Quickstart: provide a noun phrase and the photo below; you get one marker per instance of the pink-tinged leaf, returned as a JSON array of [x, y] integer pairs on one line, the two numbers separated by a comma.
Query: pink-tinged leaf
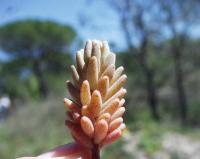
[[105, 116], [76, 117], [109, 71], [95, 104], [112, 136], [80, 61], [75, 76], [117, 74], [118, 113], [115, 124], [105, 50], [120, 94], [111, 107], [71, 106], [85, 94], [87, 126], [92, 72], [121, 103], [122, 127], [84, 110], [70, 116], [103, 86], [116, 86], [74, 92], [101, 129], [110, 59], [79, 135], [87, 50], [96, 52]]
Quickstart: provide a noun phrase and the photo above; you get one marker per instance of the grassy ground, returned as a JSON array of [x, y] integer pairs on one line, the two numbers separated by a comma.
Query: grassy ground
[[33, 128], [39, 126]]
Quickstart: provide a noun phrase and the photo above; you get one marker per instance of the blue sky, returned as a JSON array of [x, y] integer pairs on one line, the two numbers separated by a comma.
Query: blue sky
[[101, 21]]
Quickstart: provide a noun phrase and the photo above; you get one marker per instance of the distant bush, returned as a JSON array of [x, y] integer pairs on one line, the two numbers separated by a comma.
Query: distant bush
[[194, 113]]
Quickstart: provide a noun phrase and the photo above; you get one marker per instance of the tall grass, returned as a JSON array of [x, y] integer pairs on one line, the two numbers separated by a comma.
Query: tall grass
[[34, 128]]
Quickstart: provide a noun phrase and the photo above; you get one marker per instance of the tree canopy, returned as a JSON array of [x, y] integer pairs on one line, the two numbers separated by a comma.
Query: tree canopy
[[34, 37], [40, 45]]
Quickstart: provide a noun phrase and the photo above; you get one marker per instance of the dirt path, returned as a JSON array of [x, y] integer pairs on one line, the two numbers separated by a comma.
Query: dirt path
[[173, 146]]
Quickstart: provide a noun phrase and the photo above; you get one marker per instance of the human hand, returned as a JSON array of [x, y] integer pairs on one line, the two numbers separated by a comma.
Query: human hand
[[68, 151]]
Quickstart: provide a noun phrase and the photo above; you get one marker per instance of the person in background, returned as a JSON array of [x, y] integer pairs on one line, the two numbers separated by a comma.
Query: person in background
[[5, 104]]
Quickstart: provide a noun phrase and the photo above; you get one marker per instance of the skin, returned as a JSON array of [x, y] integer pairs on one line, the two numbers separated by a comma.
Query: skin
[[68, 151]]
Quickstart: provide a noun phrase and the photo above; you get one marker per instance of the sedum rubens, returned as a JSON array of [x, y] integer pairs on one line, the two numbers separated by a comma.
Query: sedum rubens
[[96, 108]]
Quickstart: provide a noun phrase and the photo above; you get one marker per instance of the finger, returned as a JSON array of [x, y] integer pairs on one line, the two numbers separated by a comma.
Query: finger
[[71, 151], [65, 157], [48, 157], [26, 158]]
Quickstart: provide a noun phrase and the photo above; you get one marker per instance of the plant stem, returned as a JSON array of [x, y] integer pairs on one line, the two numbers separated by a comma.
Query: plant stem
[[96, 152]]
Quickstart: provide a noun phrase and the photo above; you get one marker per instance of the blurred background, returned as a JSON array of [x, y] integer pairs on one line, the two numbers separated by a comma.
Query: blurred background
[[158, 43]]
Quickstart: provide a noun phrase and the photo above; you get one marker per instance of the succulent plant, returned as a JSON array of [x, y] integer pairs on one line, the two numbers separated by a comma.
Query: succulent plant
[[95, 109]]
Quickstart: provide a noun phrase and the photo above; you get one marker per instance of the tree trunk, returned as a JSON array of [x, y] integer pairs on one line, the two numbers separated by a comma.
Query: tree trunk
[[182, 100], [37, 68], [152, 100], [151, 94], [142, 55]]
